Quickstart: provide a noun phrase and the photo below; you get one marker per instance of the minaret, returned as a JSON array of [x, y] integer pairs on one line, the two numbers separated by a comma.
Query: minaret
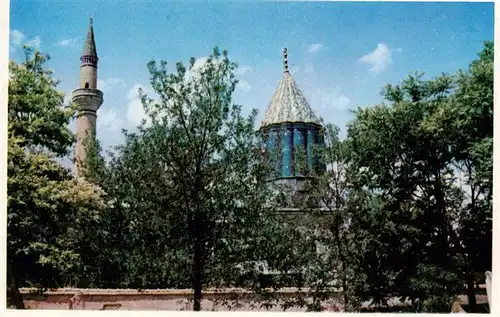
[[87, 97], [291, 131]]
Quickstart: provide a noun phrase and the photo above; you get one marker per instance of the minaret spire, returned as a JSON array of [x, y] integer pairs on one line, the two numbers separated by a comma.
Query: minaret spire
[[87, 97], [89, 54], [285, 59]]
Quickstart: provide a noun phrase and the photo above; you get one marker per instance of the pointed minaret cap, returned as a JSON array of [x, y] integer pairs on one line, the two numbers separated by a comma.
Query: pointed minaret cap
[[89, 48], [288, 104]]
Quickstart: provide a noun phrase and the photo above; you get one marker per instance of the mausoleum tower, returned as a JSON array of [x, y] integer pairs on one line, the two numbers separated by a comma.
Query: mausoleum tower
[[87, 97], [291, 133]]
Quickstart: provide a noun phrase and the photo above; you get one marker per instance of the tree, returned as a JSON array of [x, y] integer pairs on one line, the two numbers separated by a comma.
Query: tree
[[473, 152], [47, 211], [137, 247], [190, 181], [402, 156], [408, 228], [35, 107]]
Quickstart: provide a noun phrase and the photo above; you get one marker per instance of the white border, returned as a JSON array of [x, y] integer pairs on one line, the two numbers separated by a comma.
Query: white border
[[4, 56], [4, 63]]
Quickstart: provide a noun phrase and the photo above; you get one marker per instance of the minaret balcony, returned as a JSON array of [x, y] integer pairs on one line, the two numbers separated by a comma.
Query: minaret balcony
[[88, 60], [87, 98]]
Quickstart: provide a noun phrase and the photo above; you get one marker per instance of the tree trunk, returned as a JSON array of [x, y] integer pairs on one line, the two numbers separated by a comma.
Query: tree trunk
[[340, 254], [16, 296], [344, 290], [471, 294], [344, 278], [197, 277], [443, 223]]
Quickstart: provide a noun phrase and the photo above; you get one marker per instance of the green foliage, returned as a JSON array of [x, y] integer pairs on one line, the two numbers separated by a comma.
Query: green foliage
[[35, 107], [432, 284], [48, 213], [402, 155], [406, 201], [399, 223], [188, 186], [473, 150]]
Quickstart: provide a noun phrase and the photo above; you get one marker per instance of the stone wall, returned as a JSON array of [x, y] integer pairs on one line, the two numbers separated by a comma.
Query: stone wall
[[128, 299], [213, 300]]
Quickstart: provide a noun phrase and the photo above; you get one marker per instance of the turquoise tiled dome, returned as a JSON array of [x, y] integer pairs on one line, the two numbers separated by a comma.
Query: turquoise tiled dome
[[291, 129]]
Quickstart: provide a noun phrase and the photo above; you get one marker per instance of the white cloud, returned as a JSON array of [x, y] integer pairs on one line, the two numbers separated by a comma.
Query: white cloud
[[133, 93], [243, 85], [135, 110], [67, 99], [309, 68], [379, 59], [64, 42], [107, 84], [35, 43], [199, 63], [17, 37], [313, 48], [198, 66], [340, 101], [69, 42], [107, 118], [330, 99], [242, 70]]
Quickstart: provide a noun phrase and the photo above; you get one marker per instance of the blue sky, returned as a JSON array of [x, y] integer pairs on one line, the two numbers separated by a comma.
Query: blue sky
[[340, 54]]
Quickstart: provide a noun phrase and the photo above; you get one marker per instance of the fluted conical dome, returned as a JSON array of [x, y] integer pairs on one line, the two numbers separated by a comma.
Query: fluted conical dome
[[288, 104]]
